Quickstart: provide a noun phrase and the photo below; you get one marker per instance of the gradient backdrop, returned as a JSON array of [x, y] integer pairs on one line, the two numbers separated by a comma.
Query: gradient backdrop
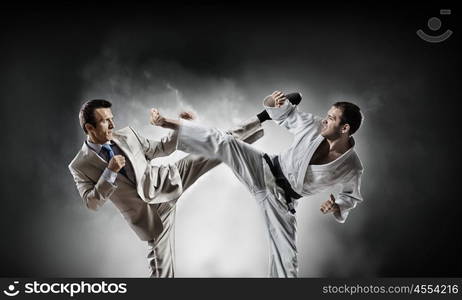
[[220, 62]]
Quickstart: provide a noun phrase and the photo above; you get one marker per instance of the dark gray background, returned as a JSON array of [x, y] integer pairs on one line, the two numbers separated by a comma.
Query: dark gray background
[[230, 57]]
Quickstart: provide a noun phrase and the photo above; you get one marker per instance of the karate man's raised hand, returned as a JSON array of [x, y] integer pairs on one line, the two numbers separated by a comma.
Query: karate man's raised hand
[[279, 98], [329, 205]]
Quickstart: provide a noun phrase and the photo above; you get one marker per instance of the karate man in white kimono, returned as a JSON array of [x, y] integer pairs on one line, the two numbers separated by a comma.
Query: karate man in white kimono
[[321, 156]]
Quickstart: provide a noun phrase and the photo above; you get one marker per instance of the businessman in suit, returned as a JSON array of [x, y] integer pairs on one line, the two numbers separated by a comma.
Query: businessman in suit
[[116, 165]]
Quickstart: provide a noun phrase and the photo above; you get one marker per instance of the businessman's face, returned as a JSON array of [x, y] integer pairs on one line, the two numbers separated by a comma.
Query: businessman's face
[[104, 126], [331, 124]]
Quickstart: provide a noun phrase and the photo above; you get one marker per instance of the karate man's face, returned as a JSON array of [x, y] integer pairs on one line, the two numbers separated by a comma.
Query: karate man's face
[[104, 126], [331, 124]]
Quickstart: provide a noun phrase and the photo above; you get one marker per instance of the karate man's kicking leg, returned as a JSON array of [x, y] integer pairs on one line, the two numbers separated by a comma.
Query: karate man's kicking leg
[[161, 251]]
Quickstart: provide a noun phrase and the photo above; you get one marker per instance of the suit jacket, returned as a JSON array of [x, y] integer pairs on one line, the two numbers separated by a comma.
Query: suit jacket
[[136, 201]]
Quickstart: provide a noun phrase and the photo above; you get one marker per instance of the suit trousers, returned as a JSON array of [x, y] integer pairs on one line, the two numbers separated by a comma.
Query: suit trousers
[[162, 250]]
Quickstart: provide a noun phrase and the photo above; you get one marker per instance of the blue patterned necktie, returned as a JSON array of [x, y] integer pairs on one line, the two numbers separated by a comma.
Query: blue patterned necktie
[[110, 154]]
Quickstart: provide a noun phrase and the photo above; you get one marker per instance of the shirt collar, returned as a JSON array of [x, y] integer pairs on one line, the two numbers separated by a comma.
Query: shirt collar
[[95, 147]]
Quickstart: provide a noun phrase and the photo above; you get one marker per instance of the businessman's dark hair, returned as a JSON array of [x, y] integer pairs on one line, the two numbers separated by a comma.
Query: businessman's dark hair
[[351, 115], [87, 111]]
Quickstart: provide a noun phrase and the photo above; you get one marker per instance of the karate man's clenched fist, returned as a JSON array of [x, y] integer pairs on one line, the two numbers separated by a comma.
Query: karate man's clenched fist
[[116, 163], [329, 206]]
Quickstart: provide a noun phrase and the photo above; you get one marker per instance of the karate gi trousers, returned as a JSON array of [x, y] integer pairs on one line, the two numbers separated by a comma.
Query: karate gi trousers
[[250, 168], [161, 251]]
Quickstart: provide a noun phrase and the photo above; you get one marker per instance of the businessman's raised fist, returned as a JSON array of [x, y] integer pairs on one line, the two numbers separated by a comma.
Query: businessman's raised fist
[[116, 163], [186, 115]]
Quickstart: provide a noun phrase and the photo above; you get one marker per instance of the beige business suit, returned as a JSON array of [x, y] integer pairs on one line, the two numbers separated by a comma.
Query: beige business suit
[[147, 201]]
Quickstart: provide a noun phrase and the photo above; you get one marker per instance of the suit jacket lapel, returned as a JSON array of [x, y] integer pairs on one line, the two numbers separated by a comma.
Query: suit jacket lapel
[[123, 145], [93, 158]]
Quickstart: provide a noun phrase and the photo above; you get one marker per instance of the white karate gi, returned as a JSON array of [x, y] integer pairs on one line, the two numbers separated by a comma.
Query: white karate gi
[[249, 166]]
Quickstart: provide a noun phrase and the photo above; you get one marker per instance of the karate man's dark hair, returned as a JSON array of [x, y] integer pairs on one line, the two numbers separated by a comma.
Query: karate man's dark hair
[[351, 115], [87, 111]]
